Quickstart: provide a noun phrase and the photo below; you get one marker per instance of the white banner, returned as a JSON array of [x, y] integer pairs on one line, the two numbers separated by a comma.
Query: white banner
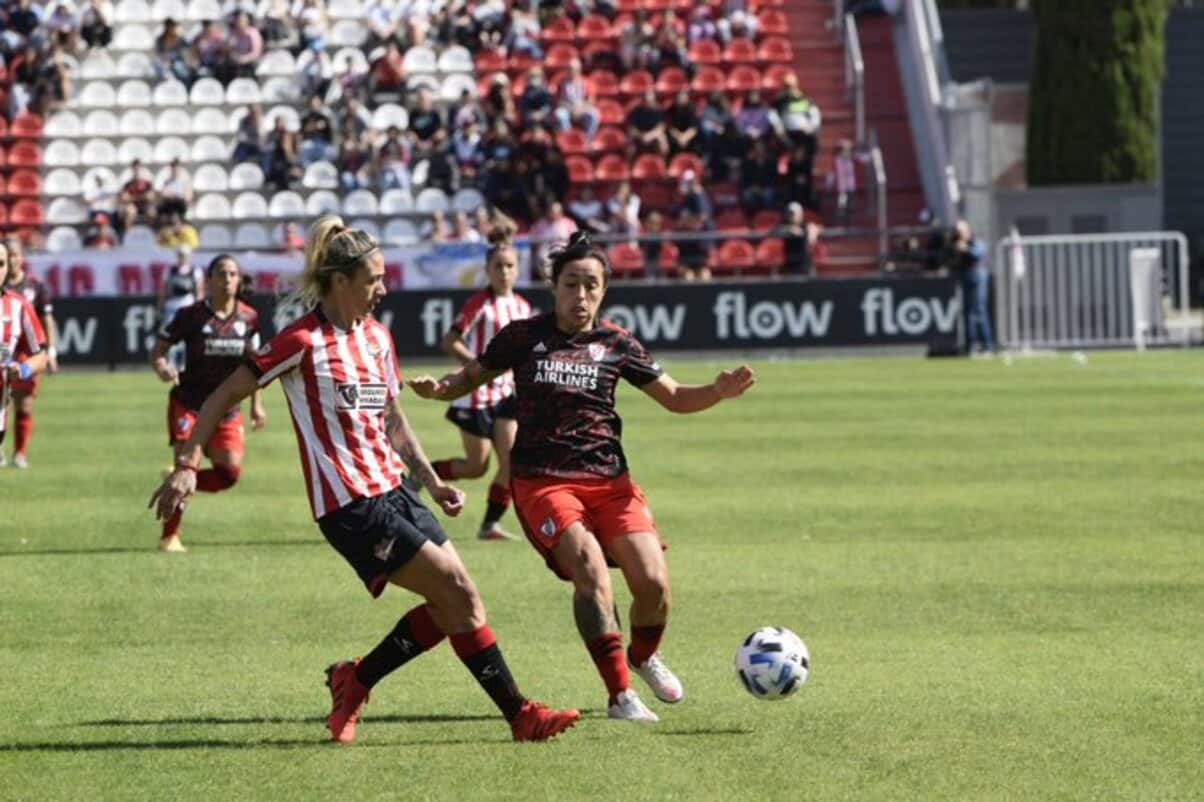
[[139, 272]]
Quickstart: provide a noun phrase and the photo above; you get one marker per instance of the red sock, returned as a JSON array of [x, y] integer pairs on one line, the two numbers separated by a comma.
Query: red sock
[[172, 525], [644, 641], [607, 651], [23, 429], [217, 478], [443, 469], [467, 644], [423, 627]]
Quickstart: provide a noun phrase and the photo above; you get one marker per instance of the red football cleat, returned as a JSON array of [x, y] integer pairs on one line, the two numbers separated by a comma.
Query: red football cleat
[[347, 698], [538, 722]]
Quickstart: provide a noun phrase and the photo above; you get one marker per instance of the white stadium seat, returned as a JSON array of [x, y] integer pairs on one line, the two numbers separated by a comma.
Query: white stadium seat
[[468, 200], [99, 151], [345, 9], [170, 148], [175, 122], [204, 9], [322, 202], [215, 237], [135, 148], [455, 85], [101, 122], [62, 124], [366, 226], [400, 232], [348, 33], [209, 149], [63, 238], [321, 175], [432, 200], [134, 93], [245, 176], [98, 65], [66, 211], [107, 177], [250, 205], [170, 93], [420, 59], [279, 90], [209, 120], [388, 114], [60, 153], [243, 92], [210, 178], [169, 9], [360, 202], [132, 37], [62, 181], [350, 59], [456, 59], [137, 122], [97, 94], [135, 65], [292, 120], [212, 207], [426, 81], [396, 201], [286, 204], [207, 92], [276, 62], [133, 11], [139, 238], [252, 235]]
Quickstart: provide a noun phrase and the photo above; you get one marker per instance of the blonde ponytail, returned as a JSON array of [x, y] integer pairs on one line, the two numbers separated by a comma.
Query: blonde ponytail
[[330, 248]]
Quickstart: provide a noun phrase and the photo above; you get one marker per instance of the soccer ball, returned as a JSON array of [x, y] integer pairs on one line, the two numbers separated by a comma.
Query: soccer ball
[[772, 663]]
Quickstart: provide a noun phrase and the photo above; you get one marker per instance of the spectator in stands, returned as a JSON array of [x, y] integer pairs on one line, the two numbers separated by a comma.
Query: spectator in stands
[[758, 178], [136, 201], [737, 23], [312, 21], [796, 241], [623, 210], [797, 178], [172, 55], [702, 23], [694, 253], [317, 133], [354, 117], [96, 23], [316, 71], [462, 230], [56, 75], [523, 36], [467, 149], [292, 241], [441, 168], [459, 27], [466, 108], [652, 243], [210, 51], [967, 262], [588, 212], [100, 235], [635, 41], [384, 24], [24, 22], [245, 46], [795, 119], [175, 191], [669, 48], [577, 102], [436, 230], [354, 163], [549, 232], [178, 234], [283, 160], [101, 195], [416, 15], [536, 103], [275, 23], [694, 199], [683, 123], [548, 171], [753, 119], [250, 143], [425, 119], [387, 74], [843, 180], [646, 126], [392, 161], [63, 27], [498, 103], [724, 153], [716, 115]]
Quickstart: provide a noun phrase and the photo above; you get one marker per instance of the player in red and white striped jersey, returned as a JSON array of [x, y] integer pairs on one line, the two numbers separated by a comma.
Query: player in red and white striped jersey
[[485, 417], [24, 392], [22, 342], [341, 379]]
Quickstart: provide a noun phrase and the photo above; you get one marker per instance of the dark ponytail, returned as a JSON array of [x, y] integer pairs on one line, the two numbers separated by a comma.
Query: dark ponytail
[[580, 246]]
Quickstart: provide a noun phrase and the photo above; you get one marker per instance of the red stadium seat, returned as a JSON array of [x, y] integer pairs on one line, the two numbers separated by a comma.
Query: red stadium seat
[[560, 56], [3, 123], [670, 256], [771, 253], [708, 80], [595, 27], [706, 51], [735, 255], [609, 139], [596, 55], [775, 51], [605, 83], [670, 18], [743, 78], [520, 63], [772, 22], [488, 61], [26, 126], [626, 259], [740, 51], [611, 168], [130, 280], [631, 5], [3, 215], [670, 80], [636, 83], [559, 29], [25, 183], [685, 161], [571, 141], [731, 220], [581, 170], [766, 220], [610, 112], [649, 166], [81, 280], [772, 81], [27, 213], [24, 154]]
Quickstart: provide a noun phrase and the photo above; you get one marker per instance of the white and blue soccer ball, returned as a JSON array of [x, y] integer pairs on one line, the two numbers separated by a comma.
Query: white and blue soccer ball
[[773, 663]]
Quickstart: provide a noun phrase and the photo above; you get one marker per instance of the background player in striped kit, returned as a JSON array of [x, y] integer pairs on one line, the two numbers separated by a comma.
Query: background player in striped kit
[[23, 393], [338, 368], [22, 341], [485, 417], [217, 333]]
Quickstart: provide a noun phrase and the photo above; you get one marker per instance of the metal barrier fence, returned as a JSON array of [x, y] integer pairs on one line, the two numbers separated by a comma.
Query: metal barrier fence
[[1092, 290]]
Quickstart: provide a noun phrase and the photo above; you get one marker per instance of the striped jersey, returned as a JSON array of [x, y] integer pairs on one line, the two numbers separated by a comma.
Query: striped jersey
[[479, 321], [338, 384], [21, 336]]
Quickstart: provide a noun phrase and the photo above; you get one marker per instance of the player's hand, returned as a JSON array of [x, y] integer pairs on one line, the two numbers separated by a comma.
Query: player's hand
[[425, 386], [259, 416], [449, 499], [52, 362], [175, 491], [168, 373], [734, 383]]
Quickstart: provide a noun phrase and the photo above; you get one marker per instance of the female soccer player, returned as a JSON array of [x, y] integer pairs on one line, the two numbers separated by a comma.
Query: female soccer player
[[485, 417], [182, 286], [218, 334], [24, 392], [22, 341], [339, 369], [572, 492]]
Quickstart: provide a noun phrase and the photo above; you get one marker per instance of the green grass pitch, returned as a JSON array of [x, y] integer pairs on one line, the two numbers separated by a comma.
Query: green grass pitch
[[999, 571]]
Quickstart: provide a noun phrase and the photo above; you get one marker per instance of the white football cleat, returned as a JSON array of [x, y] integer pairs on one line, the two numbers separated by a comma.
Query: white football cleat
[[663, 682], [629, 707], [172, 545], [19, 462]]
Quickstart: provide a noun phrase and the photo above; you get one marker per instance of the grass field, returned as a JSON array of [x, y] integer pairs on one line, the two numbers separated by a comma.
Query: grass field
[[999, 571]]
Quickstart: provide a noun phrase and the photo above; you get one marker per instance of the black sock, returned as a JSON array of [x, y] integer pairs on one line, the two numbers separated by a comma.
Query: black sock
[[491, 671], [398, 648], [493, 513]]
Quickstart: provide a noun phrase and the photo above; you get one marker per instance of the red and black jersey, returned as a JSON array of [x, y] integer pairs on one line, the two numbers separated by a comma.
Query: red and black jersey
[[215, 347], [34, 291], [567, 425]]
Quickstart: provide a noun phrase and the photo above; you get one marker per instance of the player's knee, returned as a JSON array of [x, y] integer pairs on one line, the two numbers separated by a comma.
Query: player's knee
[[590, 575], [475, 467], [229, 474], [652, 591], [458, 598]]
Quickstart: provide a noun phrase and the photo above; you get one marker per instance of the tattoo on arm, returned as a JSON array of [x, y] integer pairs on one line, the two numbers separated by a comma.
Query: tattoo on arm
[[593, 617], [405, 441]]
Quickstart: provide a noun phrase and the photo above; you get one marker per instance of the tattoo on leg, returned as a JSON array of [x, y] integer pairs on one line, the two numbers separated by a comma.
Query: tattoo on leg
[[593, 617]]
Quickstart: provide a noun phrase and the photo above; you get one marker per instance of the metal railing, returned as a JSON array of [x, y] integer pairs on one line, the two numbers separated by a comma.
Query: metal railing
[[878, 174], [854, 74]]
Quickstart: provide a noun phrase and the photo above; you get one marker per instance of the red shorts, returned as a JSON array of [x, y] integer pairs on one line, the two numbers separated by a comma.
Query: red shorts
[[28, 386], [181, 419], [609, 508]]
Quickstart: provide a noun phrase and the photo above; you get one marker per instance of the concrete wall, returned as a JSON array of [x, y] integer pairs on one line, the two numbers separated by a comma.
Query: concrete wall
[[1087, 209]]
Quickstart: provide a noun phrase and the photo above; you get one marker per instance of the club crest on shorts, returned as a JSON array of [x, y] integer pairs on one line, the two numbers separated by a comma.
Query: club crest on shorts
[[183, 424], [549, 528], [597, 351]]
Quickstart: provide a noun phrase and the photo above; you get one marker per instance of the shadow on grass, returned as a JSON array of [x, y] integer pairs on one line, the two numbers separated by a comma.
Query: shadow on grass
[[209, 743], [711, 731], [148, 549], [426, 718]]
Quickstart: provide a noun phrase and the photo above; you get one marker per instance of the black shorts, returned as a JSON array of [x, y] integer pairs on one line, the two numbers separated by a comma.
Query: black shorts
[[378, 535], [479, 422]]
